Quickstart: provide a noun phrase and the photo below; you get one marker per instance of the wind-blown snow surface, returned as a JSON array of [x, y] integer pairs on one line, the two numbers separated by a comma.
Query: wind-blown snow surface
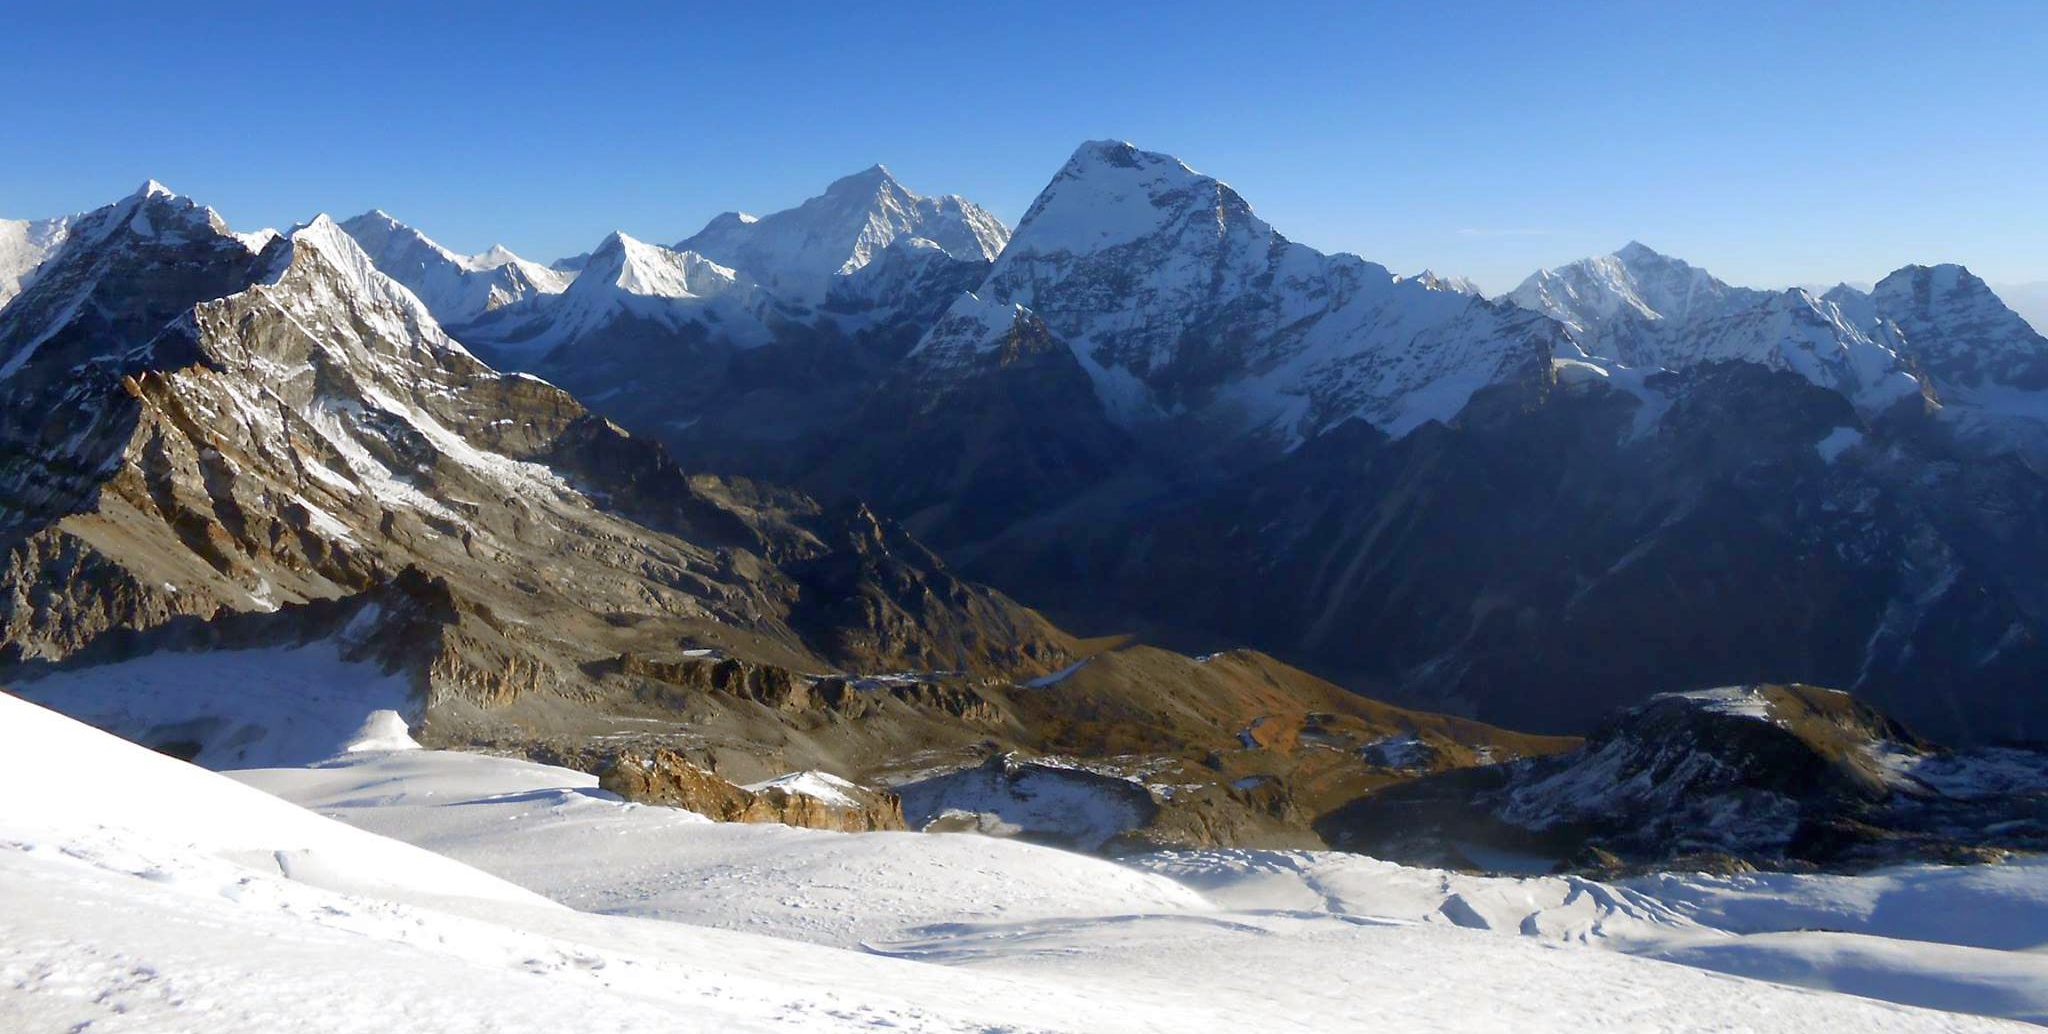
[[147, 894]]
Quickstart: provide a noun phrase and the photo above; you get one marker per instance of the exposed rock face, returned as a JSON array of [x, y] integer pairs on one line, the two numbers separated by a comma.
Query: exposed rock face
[[842, 695], [666, 778], [1762, 774]]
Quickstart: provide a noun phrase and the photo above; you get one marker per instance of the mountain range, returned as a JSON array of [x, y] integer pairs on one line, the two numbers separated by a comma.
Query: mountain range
[[1147, 410], [850, 486]]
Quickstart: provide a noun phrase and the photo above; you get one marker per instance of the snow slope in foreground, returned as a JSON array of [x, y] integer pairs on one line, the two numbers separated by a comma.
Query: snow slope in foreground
[[551, 830], [1146, 952], [146, 894]]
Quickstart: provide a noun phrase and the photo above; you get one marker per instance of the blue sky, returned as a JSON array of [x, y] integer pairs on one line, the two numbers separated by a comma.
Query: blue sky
[[1773, 143]]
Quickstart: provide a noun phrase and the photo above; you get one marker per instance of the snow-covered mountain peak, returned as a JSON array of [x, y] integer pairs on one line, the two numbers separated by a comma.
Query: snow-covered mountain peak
[[153, 211], [1177, 298], [797, 253], [378, 232], [497, 255], [1435, 281], [867, 182], [1638, 253], [1110, 194], [112, 279], [1943, 286], [1962, 332], [629, 286], [1607, 301], [1645, 309], [728, 222], [636, 267], [322, 269], [323, 236], [1120, 153], [457, 288]]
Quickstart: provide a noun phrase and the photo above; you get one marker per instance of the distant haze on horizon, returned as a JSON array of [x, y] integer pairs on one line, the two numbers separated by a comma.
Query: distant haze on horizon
[[1770, 146]]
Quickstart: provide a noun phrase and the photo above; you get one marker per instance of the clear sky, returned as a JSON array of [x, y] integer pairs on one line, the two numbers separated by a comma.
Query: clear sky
[[1774, 144]]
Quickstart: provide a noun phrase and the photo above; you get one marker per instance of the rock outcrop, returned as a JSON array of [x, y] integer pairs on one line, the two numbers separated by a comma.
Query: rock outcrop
[[848, 696], [666, 778]]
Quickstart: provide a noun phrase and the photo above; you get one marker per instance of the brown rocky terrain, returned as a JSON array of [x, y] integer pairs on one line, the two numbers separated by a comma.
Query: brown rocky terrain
[[1230, 749], [665, 778]]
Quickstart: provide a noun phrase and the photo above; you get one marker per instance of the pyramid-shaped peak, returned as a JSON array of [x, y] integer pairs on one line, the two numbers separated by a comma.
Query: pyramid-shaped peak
[[873, 178], [323, 236], [1111, 193], [375, 216], [1637, 251], [384, 235]]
